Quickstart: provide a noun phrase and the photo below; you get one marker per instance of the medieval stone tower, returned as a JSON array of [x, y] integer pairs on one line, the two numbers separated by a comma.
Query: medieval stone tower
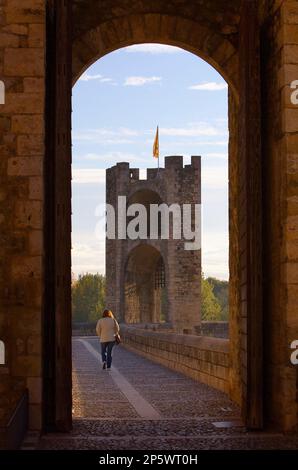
[[154, 280]]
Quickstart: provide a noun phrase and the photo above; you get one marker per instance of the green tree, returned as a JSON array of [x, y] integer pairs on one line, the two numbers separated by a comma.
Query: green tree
[[221, 292], [210, 307], [88, 297]]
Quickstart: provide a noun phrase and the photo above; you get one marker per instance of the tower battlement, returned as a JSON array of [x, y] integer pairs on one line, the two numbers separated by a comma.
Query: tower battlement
[[123, 171]]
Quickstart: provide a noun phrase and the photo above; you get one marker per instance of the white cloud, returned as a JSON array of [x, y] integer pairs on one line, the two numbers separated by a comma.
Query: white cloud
[[103, 135], [128, 132], [111, 158], [215, 253], [217, 155], [140, 81], [215, 177], [125, 135], [209, 86], [153, 49], [193, 130], [186, 143], [87, 78], [88, 253], [88, 176]]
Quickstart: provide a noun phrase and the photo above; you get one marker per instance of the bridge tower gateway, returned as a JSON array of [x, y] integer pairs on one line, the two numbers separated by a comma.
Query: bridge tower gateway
[[155, 280]]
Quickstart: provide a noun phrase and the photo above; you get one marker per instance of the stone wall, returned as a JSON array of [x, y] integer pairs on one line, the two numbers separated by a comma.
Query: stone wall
[[22, 69], [280, 144], [216, 329], [236, 324], [201, 358]]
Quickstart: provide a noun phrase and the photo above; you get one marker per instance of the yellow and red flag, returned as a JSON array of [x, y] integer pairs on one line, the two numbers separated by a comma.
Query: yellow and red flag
[[156, 145]]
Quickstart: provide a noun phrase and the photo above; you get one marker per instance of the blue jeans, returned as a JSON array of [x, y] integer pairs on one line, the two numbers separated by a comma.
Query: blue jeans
[[106, 352]]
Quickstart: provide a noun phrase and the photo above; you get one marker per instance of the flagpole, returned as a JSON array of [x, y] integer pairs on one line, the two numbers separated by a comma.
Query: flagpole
[[158, 149]]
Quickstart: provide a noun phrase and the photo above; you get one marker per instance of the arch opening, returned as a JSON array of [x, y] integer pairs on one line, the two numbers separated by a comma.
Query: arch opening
[[198, 42], [145, 295], [203, 41]]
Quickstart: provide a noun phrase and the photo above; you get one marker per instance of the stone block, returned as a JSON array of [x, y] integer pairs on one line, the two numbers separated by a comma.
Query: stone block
[[27, 124], [291, 54], [9, 40], [20, 346], [292, 250], [36, 35], [290, 120], [290, 11], [291, 271], [291, 142], [24, 62], [292, 296], [36, 242], [286, 97], [286, 74], [108, 33], [152, 24], [19, 29], [3, 195], [30, 145], [23, 103], [5, 124], [34, 386], [290, 34], [25, 166], [26, 321], [26, 366], [29, 11], [36, 188], [33, 84], [124, 29], [28, 214], [34, 345], [26, 266], [137, 26]]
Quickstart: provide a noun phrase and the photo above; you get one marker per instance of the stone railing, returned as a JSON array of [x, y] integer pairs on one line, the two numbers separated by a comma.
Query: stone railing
[[216, 329], [201, 358], [83, 329]]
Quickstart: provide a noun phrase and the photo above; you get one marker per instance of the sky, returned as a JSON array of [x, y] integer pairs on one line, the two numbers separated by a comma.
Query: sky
[[117, 104]]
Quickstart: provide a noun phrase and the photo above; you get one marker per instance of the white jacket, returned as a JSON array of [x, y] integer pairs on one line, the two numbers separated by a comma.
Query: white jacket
[[106, 329]]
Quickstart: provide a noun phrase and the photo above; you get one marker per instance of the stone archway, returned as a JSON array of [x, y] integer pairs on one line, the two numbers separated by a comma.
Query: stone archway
[[157, 28], [144, 285], [98, 36]]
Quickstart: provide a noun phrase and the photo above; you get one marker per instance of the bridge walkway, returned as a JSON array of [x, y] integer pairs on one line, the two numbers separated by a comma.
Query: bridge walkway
[[139, 404]]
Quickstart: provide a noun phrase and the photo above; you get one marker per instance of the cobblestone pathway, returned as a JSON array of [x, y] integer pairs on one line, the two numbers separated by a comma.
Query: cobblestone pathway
[[141, 405]]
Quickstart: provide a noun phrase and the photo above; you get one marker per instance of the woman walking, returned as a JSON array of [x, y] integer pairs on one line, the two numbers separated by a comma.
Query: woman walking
[[107, 328]]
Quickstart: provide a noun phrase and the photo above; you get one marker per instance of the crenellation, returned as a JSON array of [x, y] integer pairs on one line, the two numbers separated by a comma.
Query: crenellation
[[134, 174], [174, 162], [153, 173]]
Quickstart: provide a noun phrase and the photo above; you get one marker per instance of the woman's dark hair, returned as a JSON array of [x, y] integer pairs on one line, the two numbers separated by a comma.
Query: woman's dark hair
[[107, 313]]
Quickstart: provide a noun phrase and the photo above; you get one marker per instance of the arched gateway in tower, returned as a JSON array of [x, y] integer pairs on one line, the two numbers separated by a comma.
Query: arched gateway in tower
[[154, 280]]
